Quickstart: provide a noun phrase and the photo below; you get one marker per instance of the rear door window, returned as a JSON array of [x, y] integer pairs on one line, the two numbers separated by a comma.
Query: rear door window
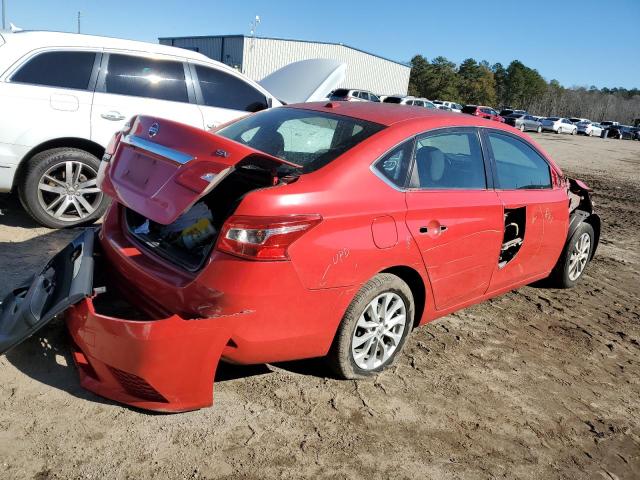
[[58, 69], [223, 90], [518, 165], [146, 77], [449, 160]]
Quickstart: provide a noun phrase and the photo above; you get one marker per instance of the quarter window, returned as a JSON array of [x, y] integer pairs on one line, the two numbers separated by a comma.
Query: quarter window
[[220, 89], [451, 160], [58, 69], [146, 77], [518, 165], [395, 164]]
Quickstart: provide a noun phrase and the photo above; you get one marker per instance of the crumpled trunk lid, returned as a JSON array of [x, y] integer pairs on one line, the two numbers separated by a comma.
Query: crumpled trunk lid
[[160, 168]]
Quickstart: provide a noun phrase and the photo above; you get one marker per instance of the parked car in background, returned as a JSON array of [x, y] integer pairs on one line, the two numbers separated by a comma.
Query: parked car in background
[[589, 128], [420, 102], [608, 123], [636, 133], [509, 111], [444, 108], [523, 122], [621, 132], [64, 95], [482, 111], [575, 120], [430, 214], [559, 125], [399, 99], [455, 107], [350, 95], [538, 119]]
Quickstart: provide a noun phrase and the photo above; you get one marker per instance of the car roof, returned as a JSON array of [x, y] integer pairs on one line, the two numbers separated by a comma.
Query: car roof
[[33, 39], [389, 114]]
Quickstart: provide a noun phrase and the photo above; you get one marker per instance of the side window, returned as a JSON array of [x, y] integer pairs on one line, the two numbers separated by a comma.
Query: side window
[[58, 69], [450, 160], [222, 90], [146, 77], [394, 166], [518, 165], [374, 98]]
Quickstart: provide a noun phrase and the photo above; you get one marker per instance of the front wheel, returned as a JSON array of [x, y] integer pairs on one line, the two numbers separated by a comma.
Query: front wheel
[[559, 130], [59, 188], [573, 132], [539, 129], [575, 257], [373, 329], [522, 127]]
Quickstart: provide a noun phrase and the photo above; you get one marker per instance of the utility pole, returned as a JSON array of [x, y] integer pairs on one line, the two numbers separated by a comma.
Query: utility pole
[[4, 24], [78, 21]]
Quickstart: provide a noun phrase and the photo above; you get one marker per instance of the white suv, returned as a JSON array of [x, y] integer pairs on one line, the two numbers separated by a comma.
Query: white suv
[[63, 96]]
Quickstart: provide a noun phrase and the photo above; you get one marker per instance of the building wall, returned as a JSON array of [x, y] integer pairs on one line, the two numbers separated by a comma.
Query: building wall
[[227, 50], [263, 56], [258, 57]]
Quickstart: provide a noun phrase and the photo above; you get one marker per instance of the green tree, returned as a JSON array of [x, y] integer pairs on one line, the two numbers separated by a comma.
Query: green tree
[[476, 82]]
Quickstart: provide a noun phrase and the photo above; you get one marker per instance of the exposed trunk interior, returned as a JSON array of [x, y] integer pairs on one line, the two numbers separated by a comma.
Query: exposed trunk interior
[[189, 239]]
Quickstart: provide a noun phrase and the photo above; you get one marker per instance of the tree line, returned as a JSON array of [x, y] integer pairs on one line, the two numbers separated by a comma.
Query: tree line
[[518, 86]]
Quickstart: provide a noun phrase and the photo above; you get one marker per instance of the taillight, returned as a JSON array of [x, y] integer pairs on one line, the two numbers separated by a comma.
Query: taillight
[[264, 238]]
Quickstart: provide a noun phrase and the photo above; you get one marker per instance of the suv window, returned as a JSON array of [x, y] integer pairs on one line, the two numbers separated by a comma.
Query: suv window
[[146, 77], [58, 69], [223, 90], [518, 165], [451, 160], [395, 164]]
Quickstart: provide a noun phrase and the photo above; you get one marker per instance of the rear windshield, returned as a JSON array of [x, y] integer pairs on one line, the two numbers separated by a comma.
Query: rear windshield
[[469, 109], [307, 138], [392, 100], [340, 92]]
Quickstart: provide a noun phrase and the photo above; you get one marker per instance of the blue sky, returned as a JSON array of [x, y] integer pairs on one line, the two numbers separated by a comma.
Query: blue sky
[[570, 40]]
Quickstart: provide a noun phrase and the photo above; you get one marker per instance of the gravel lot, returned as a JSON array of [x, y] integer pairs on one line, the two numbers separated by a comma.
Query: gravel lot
[[537, 383]]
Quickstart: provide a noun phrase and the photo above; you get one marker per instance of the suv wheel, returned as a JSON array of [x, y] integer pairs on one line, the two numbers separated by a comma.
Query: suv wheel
[[59, 188], [374, 328]]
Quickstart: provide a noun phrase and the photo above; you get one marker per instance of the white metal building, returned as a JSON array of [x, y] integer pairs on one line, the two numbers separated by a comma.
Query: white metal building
[[258, 57]]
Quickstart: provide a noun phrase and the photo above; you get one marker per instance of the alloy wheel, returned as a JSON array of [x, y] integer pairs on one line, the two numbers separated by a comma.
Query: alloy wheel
[[69, 192], [579, 256], [379, 331]]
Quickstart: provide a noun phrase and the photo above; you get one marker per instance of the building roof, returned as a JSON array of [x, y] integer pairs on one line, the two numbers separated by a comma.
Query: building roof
[[286, 40]]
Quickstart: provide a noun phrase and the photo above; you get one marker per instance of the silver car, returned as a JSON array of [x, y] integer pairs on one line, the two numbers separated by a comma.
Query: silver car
[[589, 128], [559, 125], [523, 122]]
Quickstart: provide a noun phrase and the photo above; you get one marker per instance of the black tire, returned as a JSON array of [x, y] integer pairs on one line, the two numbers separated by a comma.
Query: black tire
[[340, 357], [42, 162], [560, 277], [558, 131], [574, 131]]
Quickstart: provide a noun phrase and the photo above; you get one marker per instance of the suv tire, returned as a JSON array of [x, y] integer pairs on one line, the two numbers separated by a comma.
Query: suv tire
[[55, 201]]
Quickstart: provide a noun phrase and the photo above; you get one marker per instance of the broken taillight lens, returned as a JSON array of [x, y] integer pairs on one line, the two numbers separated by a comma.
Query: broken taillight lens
[[264, 238]]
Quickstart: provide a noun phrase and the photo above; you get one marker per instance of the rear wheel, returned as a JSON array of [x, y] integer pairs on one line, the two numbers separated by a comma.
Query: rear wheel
[[59, 188], [573, 132], [559, 130], [539, 129], [374, 328], [575, 257]]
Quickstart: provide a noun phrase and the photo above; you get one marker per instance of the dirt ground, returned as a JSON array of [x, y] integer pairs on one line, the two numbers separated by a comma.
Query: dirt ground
[[536, 384]]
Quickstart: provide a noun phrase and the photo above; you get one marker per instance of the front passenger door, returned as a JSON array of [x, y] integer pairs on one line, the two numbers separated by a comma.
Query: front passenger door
[[454, 215]]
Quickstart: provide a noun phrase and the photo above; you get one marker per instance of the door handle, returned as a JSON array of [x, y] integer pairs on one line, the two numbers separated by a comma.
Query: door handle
[[425, 229], [113, 116]]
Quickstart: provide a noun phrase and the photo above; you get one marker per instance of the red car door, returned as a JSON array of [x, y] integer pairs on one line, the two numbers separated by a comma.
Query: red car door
[[453, 215], [537, 204]]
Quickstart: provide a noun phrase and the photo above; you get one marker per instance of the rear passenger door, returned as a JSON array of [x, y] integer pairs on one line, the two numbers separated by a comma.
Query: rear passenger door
[[131, 84], [454, 215], [223, 96], [531, 194]]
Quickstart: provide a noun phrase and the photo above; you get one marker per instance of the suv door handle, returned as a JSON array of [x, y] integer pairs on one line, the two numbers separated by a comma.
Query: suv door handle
[[113, 116]]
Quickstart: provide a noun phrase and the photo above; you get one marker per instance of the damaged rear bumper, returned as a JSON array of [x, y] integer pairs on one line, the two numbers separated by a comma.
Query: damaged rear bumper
[[164, 364]]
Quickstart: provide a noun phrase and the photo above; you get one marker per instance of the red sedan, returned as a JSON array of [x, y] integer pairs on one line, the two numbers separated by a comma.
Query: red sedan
[[327, 229]]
